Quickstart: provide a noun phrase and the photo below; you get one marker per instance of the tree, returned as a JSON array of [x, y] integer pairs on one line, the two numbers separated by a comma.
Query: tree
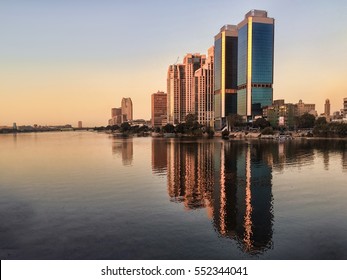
[[209, 131], [234, 120], [114, 127], [320, 121], [125, 126], [168, 128], [180, 128], [261, 123], [190, 119], [306, 121], [267, 131]]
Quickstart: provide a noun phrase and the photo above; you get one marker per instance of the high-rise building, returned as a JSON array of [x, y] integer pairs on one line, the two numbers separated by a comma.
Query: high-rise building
[[345, 107], [159, 109], [327, 108], [127, 109], [116, 116], [175, 93], [204, 91], [255, 63], [79, 124], [225, 74], [191, 62]]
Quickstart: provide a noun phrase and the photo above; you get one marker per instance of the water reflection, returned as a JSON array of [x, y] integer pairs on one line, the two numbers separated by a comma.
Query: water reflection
[[232, 181], [125, 149], [159, 156], [243, 203]]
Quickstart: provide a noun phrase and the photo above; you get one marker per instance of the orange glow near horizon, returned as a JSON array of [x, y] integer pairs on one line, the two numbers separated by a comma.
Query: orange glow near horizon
[[59, 67]]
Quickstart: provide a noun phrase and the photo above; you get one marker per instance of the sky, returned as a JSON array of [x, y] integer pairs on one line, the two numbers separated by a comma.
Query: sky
[[67, 61]]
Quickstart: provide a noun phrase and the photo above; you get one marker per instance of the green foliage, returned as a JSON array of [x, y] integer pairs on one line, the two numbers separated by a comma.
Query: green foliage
[[320, 121], [168, 128], [267, 131], [209, 131], [115, 127], [225, 134], [125, 127], [306, 121], [234, 120], [100, 128], [180, 128], [334, 129], [191, 123], [261, 123]]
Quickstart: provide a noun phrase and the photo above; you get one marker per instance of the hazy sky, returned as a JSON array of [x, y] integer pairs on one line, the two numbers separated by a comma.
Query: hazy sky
[[65, 61]]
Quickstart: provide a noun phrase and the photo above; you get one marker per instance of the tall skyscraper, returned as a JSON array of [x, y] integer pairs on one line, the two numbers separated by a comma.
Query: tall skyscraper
[[175, 90], [159, 109], [191, 62], [225, 74], [327, 108], [345, 107], [204, 91], [127, 109], [255, 63]]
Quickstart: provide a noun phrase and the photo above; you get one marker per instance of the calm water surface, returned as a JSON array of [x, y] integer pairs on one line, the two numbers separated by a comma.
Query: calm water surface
[[83, 195]]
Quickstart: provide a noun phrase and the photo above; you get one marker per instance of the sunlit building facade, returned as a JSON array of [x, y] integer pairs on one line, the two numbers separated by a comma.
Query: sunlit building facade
[[302, 108], [191, 62], [175, 93], [127, 109], [159, 109], [225, 74], [204, 91], [255, 63], [327, 108]]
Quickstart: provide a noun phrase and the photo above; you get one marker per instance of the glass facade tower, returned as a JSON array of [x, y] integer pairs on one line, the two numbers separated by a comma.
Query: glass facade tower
[[225, 74], [255, 63]]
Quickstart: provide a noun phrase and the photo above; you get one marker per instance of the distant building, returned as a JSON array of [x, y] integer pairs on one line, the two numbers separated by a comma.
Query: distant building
[[116, 116], [302, 108], [280, 113], [159, 109], [79, 125], [345, 107], [225, 74], [127, 110], [255, 63], [278, 102], [327, 108], [14, 126], [337, 115]]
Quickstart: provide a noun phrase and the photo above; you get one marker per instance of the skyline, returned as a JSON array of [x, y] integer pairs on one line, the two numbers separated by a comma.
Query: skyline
[[64, 62]]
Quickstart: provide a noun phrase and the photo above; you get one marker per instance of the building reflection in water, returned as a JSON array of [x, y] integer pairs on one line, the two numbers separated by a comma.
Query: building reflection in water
[[233, 181], [189, 174], [124, 148], [159, 156]]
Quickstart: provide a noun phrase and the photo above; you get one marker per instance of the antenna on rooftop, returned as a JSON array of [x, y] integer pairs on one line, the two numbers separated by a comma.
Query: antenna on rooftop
[[177, 60]]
